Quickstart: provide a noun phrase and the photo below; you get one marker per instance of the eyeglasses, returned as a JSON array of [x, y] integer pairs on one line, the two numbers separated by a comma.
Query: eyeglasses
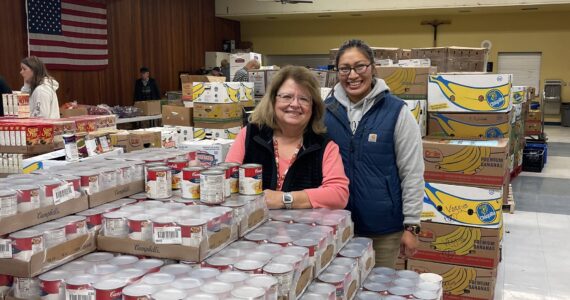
[[288, 98], [359, 69]]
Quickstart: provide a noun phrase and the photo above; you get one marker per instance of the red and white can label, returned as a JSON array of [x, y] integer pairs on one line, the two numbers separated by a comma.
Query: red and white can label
[[90, 183], [190, 184], [159, 183], [52, 289], [250, 179]]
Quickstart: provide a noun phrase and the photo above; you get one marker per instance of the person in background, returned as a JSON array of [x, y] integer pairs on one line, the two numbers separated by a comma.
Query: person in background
[[146, 87], [41, 87], [225, 68], [302, 167], [4, 89], [241, 74], [381, 149], [216, 72]]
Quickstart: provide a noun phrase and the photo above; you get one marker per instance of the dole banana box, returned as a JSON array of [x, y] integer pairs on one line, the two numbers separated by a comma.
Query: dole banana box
[[406, 82], [463, 205], [460, 283], [217, 112], [519, 94], [469, 125], [214, 133], [418, 109], [217, 92], [459, 245], [469, 93], [470, 162]]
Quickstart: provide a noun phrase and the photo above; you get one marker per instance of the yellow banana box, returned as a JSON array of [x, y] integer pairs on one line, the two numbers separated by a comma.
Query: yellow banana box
[[188, 81], [418, 109], [469, 162], [469, 125], [459, 282], [217, 112], [215, 133], [519, 94], [247, 91], [406, 82], [469, 93], [217, 92], [463, 205], [459, 245]]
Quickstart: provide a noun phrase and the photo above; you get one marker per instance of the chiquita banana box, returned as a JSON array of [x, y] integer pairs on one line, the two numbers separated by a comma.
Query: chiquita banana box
[[213, 133], [463, 205], [418, 109], [246, 91], [520, 94], [459, 282], [470, 162], [469, 93], [459, 245], [217, 92], [469, 125]]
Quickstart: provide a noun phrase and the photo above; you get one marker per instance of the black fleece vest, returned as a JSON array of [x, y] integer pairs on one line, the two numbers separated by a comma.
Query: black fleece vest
[[306, 171]]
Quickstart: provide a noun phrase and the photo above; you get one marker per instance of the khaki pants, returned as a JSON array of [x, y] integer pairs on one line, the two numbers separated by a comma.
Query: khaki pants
[[387, 248]]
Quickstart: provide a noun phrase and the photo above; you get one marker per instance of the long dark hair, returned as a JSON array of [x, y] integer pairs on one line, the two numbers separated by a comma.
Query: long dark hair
[[360, 46], [39, 70]]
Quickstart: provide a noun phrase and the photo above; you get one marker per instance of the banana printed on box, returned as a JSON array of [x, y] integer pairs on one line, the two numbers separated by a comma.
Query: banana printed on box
[[469, 93], [418, 109], [216, 92], [520, 94], [463, 205], [469, 125], [214, 133]]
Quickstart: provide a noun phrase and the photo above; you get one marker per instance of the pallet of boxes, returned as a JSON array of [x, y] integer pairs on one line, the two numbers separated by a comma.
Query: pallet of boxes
[[466, 156]]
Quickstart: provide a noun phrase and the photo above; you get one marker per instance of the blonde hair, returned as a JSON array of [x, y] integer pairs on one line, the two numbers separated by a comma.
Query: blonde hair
[[264, 113], [252, 64]]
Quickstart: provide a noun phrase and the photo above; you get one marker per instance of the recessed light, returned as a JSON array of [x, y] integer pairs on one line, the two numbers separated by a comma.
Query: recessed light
[[530, 8], [465, 11], [324, 16]]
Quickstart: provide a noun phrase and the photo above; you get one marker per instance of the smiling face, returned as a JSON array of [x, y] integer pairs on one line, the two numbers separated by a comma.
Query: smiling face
[[26, 73], [293, 105], [357, 86]]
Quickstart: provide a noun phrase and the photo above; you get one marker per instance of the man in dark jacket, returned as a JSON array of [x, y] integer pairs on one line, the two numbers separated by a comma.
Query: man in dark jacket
[[146, 87], [4, 89]]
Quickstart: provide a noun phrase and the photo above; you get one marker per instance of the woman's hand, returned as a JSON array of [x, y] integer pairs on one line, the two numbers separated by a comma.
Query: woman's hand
[[274, 199]]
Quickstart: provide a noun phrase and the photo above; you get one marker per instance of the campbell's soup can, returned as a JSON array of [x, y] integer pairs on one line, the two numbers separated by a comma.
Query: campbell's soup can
[[193, 231], [139, 292], [150, 265], [28, 197], [212, 185], [26, 288], [6, 282], [89, 181], [177, 165], [98, 257], [234, 176], [191, 182], [81, 287], [249, 266], [250, 179], [221, 263], [226, 170], [26, 243], [249, 292], [269, 283], [109, 289], [52, 286], [140, 227], [115, 224], [8, 203], [150, 165], [93, 218], [284, 274], [74, 226], [75, 181], [169, 294], [159, 183]]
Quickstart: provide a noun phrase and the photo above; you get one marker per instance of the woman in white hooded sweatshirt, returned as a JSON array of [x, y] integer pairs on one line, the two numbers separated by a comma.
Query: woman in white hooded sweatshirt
[[41, 87]]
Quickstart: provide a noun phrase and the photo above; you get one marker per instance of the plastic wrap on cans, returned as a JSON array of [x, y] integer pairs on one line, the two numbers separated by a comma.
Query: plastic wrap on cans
[[220, 289], [130, 275], [158, 279], [26, 243], [115, 224], [124, 261], [193, 231], [81, 287], [191, 182], [149, 265], [108, 178], [233, 169], [8, 203], [90, 181], [26, 288], [166, 231], [98, 257], [284, 274], [321, 288], [205, 273], [189, 284], [52, 285], [74, 226], [178, 270], [227, 176], [102, 270], [140, 227], [220, 263], [366, 295], [249, 266], [177, 165], [109, 289], [236, 278], [169, 294], [28, 197], [54, 233], [138, 292], [248, 292], [250, 179], [159, 183], [212, 185], [269, 283], [93, 218]]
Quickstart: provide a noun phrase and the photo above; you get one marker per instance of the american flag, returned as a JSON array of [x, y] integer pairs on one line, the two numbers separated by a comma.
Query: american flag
[[68, 34]]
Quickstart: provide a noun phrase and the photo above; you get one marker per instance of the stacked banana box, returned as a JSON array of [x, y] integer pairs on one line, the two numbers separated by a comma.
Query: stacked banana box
[[467, 154]]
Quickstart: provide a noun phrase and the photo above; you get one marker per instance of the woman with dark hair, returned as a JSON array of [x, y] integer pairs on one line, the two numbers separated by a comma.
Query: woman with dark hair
[[381, 149], [41, 87], [302, 167]]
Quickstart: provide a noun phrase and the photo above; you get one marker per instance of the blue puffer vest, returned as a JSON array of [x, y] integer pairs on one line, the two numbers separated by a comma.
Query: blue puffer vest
[[370, 163]]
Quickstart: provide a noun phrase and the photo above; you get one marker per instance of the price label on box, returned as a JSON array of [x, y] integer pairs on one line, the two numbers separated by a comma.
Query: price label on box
[[63, 193], [5, 248]]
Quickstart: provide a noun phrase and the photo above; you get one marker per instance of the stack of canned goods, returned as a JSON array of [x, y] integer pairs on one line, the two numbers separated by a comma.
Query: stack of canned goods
[[21, 193], [404, 284]]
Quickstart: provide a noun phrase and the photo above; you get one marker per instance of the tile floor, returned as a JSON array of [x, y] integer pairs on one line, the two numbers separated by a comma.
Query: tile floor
[[536, 258]]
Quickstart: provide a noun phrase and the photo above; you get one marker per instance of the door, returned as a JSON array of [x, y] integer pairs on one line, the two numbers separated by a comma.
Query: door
[[525, 67]]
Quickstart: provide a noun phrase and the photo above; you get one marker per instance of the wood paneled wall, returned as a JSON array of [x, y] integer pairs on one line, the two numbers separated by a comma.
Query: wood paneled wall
[[167, 36]]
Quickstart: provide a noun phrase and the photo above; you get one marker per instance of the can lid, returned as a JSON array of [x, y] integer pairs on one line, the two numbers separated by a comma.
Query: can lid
[[129, 273], [262, 256], [314, 296], [116, 215], [276, 268], [243, 245], [76, 266], [219, 261], [248, 264], [192, 222], [262, 281], [202, 296], [192, 169], [164, 219], [296, 250], [216, 287], [72, 219], [344, 261], [405, 282], [380, 278], [98, 257], [169, 294], [210, 172], [7, 192], [248, 292], [109, 284], [103, 269], [187, 283], [270, 248], [26, 233], [250, 166], [139, 290], [321, 287], [407, 274], [400, 291], [431, 277], [82, 279], [23, 187], [158, 278], [339, 269], [232, 276], [205, 273], [375, 286], [132, 209], [149, 263], [122, 260], [384, 271], [176, 269], [159, 169], [366, 295], [54, 276], [287, 259], [331, 278]]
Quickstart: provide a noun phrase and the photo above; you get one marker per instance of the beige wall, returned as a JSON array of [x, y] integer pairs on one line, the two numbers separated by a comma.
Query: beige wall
[[547, 32]]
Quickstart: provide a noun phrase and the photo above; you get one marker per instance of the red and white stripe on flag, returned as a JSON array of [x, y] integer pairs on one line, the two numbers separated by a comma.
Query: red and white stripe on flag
[[68, 34]]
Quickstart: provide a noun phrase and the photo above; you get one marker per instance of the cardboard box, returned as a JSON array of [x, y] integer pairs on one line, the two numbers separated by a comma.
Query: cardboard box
[[239, 60], [381, 53], [80, 111], [302, 283], [209, 152], [534, 115], [463, 205], [50, 258], [30, 150], [214, 59], [116, 193], [480, 163], [406, 82], [533, 128], [42, 215], [259, 79], [520, 94], [469, 93], [400, 263], [214, 133], [460, 283], [216, 92], [188, 80], [326, 79], [213, 244], [136, 140], [177, 115], [247, 92], [469, 125], [418, 109], [459, 245], [149, 108], [217, 112], [185, 134]]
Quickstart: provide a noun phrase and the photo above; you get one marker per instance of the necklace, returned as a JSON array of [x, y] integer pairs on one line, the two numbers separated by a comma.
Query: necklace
[[281, 178]]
